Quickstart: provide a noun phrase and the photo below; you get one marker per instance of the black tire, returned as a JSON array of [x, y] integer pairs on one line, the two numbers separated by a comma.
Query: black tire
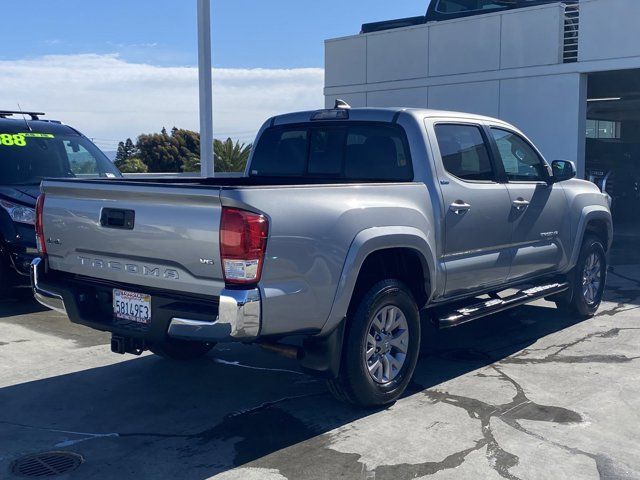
[[180, 350], [355, 384], [575, 301]]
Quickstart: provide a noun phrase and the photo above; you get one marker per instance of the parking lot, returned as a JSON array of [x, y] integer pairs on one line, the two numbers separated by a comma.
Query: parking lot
[[529, 394]]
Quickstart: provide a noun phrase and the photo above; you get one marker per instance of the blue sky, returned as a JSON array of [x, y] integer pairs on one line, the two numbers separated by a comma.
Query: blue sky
[[247, 33], [118, 68]]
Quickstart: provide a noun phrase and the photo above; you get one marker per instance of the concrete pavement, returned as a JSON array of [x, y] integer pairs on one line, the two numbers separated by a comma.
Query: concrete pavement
[[529, 394]]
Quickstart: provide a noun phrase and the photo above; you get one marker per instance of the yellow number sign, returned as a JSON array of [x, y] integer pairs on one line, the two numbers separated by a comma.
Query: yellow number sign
[[20, 139]]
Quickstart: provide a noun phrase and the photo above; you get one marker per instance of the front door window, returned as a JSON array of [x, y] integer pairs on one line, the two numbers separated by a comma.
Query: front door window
[[521, 162]]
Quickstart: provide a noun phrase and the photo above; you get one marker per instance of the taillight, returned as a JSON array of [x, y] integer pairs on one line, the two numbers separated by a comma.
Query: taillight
[[40, 241], [243, 241]]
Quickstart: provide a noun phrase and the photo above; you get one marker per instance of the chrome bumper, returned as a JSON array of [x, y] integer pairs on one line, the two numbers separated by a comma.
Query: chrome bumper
[[239, 317], [44, 297]]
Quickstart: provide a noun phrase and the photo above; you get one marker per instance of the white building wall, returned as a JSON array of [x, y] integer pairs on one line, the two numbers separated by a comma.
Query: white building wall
[[507, 65], [346, 61], [532, 37], [482, 98], [399, 97], [547, 108], [609, 29], [464, 45], [387, 54]]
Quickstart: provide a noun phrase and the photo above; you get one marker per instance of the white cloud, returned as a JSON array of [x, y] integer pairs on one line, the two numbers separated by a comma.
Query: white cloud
[[110, 99]]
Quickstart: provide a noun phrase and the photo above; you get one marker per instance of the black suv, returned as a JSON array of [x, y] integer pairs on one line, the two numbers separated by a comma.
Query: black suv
[[448, 9], [32, 149]]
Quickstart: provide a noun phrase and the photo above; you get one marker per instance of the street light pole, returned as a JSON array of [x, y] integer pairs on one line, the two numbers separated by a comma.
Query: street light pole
[[206, 89]]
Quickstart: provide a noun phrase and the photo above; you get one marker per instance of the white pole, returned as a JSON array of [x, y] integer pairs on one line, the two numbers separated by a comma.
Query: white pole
[[206, 89]]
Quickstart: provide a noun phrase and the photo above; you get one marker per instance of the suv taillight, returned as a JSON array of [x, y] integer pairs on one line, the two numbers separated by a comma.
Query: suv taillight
[[243, 241], [40, 241]]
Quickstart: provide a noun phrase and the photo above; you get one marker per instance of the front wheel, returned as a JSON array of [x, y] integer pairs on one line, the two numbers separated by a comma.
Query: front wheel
[[181, 350], [587, 280], [381, 347]]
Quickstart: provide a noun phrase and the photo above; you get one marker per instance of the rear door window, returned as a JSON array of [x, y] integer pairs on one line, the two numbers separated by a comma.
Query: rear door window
[[464, 152], [357, 151]]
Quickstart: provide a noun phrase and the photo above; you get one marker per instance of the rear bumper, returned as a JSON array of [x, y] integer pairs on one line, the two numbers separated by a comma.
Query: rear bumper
[[46, 298], [239, 314], [234, 316]]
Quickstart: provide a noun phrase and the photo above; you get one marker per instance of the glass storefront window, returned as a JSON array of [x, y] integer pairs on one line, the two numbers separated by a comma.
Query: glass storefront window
[[603, 129]]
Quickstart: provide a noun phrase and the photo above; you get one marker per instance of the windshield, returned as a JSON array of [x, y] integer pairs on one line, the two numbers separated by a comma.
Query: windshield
[[27, 158]]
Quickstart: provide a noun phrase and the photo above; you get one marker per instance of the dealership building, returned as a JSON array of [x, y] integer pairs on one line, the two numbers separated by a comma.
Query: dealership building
[[567, 75]]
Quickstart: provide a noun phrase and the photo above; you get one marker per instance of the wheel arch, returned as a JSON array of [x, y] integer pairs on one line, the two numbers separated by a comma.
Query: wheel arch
[[376, 250], [597, 221]]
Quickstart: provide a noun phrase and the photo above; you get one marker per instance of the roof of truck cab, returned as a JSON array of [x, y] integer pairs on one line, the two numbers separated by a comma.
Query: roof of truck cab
[[383, 115], [17, 125]]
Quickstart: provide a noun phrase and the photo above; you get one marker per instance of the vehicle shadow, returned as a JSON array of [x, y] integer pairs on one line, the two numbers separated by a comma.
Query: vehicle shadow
[[198, 419], [19, 302]]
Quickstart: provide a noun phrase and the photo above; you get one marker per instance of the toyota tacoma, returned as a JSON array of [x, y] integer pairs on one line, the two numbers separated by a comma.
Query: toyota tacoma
[[347, 225]]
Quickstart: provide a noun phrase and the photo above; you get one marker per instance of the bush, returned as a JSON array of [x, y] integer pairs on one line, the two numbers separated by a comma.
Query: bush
[[132, 165]]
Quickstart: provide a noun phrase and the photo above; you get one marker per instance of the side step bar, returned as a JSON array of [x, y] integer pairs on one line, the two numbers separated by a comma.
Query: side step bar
[[495, 305]]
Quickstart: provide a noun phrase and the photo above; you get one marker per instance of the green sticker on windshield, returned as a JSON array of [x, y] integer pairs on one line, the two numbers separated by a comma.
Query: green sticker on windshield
[[20, 139], [37, 135]]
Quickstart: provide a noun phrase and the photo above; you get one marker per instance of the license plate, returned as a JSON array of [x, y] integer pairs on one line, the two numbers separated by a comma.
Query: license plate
[[132, 306]]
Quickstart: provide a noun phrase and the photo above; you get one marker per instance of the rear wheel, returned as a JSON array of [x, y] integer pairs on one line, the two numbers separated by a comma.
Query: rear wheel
[[587, 280], [181, 350], [381, 347]]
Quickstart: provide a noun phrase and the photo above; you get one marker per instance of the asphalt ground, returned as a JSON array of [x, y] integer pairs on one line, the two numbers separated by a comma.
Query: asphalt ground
[[528, 394]]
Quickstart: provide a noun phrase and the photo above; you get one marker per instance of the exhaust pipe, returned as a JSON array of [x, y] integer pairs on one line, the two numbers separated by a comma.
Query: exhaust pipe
[[288, 351]]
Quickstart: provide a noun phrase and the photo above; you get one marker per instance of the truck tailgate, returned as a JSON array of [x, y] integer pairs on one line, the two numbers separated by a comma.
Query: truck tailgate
[[149, 235]]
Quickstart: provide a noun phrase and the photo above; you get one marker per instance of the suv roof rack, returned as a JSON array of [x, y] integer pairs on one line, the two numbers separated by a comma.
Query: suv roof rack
[[10, 113]]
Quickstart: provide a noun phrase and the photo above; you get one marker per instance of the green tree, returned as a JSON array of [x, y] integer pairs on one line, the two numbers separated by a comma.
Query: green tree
[[126, 150], [133, 165], [230, 156], [160, 152], [130, 148], [191, 164], [120, 155], [178, 151]]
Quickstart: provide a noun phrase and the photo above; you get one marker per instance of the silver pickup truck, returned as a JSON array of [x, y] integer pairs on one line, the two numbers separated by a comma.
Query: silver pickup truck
[[347, 224]]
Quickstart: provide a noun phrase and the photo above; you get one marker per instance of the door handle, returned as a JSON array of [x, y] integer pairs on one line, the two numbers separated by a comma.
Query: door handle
[[119, 219], [521, 204], [459, 207]]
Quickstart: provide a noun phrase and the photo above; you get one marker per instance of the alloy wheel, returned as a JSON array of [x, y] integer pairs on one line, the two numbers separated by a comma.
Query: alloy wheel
[[592, 278], [387, 344]]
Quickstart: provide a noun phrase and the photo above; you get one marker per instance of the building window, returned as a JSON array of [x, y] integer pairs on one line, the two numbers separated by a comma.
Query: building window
[[464, 6], [603, 129]]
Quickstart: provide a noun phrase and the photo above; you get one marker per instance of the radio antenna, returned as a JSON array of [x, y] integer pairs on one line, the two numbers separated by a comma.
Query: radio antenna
[[25, 118]]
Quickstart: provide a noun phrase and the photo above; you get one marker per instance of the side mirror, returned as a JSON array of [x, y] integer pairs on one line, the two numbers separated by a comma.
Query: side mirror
[[563, 170]]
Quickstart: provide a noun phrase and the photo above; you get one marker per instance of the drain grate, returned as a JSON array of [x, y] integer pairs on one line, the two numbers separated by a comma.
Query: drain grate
[[48, 464]]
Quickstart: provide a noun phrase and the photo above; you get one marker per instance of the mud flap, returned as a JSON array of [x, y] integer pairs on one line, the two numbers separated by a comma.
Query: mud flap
[[323, 355]]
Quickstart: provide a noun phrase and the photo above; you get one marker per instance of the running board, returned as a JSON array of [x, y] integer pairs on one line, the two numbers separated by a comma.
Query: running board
[[489, 307]]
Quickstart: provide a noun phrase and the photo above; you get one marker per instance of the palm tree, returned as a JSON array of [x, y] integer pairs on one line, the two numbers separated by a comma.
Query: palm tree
[[230, 156]]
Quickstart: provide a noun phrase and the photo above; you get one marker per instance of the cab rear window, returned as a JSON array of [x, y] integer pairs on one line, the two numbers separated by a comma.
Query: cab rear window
[[357, 151]]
